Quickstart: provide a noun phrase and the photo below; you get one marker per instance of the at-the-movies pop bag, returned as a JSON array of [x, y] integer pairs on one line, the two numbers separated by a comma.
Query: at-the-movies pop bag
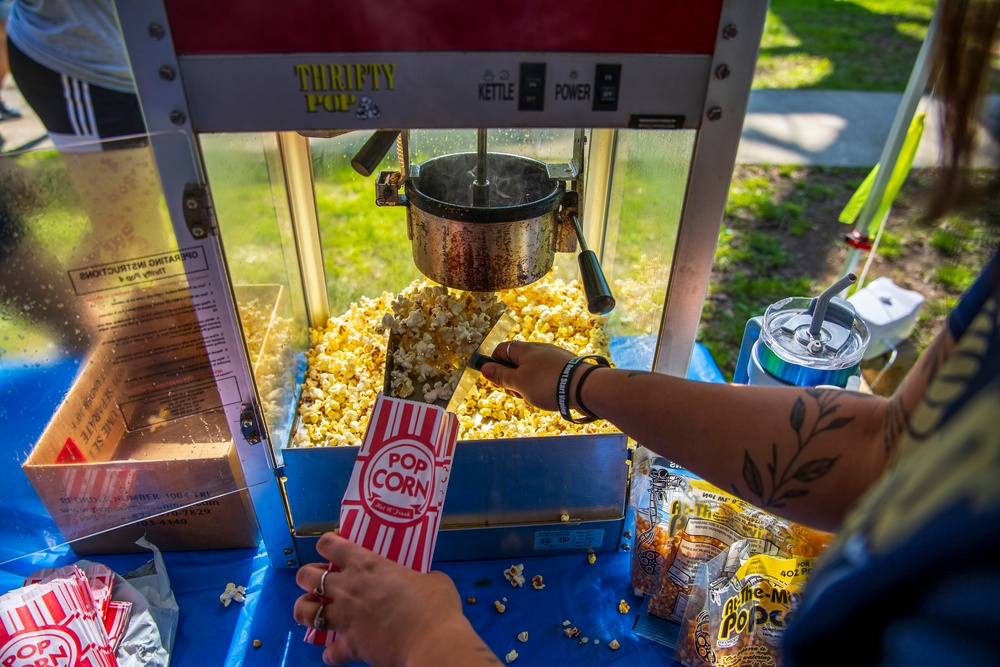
[[683, 521], [658, 516], [393, 502], [739, 607]]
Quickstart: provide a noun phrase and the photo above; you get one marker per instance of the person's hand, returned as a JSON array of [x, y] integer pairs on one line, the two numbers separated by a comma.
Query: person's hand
[[537, 372], [384, 613]]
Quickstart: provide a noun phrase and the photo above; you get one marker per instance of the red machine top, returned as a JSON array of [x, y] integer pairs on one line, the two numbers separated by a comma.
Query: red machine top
[[345, 26]]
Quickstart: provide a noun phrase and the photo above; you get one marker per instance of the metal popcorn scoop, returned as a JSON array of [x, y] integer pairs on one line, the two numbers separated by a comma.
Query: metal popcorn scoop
[[481, 355]]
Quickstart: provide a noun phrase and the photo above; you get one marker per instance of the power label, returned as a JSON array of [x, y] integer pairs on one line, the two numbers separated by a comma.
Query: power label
[[569, 539]]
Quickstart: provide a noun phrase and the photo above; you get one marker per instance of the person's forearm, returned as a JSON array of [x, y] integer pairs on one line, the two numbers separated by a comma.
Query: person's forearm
[[806, 454]]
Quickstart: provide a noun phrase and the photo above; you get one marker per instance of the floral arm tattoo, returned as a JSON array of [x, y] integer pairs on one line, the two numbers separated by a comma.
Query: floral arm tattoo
[[791, 478]]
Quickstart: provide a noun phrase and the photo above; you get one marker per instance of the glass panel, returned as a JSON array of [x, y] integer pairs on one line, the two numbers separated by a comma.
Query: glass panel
[[647, 197], [107, 397], [365, 247], [251, 205]]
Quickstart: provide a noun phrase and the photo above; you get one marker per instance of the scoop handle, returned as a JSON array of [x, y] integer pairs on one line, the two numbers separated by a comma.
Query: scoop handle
[[478, 360]]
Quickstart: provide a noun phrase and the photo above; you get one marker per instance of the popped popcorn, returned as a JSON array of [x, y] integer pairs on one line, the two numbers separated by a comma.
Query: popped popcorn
[[511, 657], [523, 636], [572, 632], [500, 606], [623, 607], [232, 592], [514, 576], [614, 645], [438, 330], [346, 363], [536, 581], [269, 340], [591, 558]]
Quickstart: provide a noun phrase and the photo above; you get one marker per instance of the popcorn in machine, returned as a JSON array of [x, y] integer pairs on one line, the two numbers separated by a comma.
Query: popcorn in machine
[[322, 163]]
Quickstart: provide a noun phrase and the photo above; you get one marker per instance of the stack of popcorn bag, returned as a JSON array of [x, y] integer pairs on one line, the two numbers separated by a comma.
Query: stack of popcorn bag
[[393, 502], [62, 616]]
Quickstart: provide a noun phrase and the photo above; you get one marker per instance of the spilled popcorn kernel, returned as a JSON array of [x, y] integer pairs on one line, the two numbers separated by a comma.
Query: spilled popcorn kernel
[[471, 600], [591, 558], [623, 607], [614, 645], [232, 592], [256, 643], [500, 606], [536, 581], [514, 576], [584, 640], [522, 637], [564, 517], [565, 623], [511, 657]]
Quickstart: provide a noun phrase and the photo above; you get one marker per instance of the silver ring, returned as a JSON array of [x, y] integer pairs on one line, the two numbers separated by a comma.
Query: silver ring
[[320, 591], [319, 622], [506, 350]]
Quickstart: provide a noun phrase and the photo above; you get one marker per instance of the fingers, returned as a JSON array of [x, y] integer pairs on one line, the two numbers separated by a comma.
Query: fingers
[[340, 551], [312, 578], [503, 352], [496, 373], [312, 611]]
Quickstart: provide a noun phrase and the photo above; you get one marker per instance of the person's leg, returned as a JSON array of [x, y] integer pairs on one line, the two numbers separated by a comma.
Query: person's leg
[[100, 135], [6, 112]]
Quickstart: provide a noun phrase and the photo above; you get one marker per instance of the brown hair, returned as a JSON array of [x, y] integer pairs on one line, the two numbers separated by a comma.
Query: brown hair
[[963, 48]]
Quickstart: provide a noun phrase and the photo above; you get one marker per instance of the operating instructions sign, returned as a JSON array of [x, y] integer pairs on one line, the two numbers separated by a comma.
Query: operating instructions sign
[[138, 271]]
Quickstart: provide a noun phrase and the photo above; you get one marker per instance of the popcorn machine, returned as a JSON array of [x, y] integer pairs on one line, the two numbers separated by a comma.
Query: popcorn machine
[[270, 125]]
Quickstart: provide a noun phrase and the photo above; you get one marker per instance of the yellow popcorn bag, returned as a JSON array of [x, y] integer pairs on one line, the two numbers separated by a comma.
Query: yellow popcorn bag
[[706, 522], [739, 608]]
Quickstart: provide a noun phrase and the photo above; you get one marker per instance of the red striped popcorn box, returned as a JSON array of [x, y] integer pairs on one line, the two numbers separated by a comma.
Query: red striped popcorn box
[[54, 624], [116, 621], [99, 577], [397, 489]]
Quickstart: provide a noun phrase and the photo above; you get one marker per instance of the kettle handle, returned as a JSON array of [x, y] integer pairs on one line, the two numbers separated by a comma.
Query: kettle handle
[[600, 301]]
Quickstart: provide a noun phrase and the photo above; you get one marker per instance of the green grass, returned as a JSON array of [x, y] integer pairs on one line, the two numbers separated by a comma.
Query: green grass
[[891, 244], [955, 277], [750, 293], [841, 45], [755, 198]]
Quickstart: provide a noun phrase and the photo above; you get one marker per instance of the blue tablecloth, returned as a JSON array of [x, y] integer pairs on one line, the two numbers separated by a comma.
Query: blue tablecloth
[[587, 595], [209, 634]]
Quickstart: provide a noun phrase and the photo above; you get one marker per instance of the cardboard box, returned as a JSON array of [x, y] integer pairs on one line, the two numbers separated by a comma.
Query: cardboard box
[[178, 482]]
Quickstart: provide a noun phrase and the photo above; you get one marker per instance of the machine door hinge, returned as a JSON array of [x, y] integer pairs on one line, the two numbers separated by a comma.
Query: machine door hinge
[[250, 423], [198, 212]]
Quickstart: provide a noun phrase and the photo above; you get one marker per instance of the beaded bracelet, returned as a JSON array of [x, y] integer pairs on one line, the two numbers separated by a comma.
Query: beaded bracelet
[[566, 378]]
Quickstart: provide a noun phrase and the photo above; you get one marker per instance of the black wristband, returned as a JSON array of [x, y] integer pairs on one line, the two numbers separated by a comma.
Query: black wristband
[[566, 378], [579, 390]]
